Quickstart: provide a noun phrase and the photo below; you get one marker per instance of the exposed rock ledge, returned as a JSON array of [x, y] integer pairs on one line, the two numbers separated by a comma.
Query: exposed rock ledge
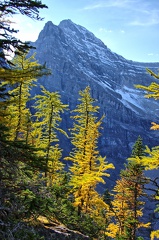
[[55, 230]]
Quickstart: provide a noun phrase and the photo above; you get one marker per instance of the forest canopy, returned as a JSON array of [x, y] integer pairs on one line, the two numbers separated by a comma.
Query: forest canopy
[[39, 188]]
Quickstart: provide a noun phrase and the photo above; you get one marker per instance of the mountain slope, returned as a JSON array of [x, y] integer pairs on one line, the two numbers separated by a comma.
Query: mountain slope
[[78, 59]]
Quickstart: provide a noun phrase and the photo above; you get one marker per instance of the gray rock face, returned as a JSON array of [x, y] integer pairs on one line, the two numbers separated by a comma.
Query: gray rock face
[[78, 59]]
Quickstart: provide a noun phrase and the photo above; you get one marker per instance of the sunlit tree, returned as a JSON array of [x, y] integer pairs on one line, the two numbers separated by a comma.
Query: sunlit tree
[[150, 161], [49, 108], [127, 206], [27, 70], [88, 167]]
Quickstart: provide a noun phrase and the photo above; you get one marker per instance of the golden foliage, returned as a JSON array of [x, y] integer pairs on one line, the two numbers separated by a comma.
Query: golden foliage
[[112, 230], [88, 167], [155, 126], [151, 160], [155, 234]]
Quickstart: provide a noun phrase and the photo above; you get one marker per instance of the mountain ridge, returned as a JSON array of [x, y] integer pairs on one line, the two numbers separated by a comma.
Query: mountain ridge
[[78, 59]]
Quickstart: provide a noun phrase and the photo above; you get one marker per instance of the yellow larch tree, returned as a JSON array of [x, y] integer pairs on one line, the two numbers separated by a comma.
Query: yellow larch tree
[[48, 108], [88, 167], [20, 78]]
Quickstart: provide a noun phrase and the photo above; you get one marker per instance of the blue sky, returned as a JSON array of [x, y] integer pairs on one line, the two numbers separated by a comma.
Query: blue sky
[[128, 27]]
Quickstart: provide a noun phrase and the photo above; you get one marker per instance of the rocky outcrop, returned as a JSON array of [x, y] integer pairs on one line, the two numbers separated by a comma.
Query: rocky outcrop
[[56, 230], [78, 59]]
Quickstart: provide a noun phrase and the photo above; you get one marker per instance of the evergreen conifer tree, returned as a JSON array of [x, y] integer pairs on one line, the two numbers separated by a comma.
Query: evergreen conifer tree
[[8, 8]]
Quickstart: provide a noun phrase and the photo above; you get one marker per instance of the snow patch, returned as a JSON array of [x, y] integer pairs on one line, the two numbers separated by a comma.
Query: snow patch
[[131, 98]]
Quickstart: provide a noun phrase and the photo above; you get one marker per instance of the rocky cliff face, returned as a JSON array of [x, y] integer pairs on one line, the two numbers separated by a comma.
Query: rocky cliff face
[[78, 59]]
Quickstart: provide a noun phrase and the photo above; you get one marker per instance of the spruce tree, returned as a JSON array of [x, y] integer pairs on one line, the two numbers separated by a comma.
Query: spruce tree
[[138, 149]]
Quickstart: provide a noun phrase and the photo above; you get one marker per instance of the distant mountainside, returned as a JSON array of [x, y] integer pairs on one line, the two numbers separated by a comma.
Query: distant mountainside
[[78, 59]]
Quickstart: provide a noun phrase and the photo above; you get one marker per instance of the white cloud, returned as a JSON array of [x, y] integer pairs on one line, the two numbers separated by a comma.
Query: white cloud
[[109, 3], [147, 22], [95, 6], [153, 54], [147, 17], [105, 30], [134, 12]]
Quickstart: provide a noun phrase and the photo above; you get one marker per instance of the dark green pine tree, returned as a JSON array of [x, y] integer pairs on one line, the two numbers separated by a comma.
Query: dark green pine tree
[[9, 8], [138, 148]]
